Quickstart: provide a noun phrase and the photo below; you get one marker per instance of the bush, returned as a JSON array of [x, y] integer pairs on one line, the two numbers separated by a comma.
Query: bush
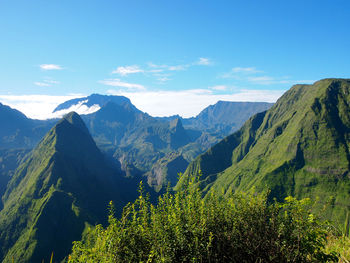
[[184, 227]]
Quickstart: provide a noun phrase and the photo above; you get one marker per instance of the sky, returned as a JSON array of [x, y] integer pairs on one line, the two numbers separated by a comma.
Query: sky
[[169, 57]]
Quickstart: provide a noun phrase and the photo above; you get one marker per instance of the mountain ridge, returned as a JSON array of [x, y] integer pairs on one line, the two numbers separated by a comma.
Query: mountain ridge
[[135, 139], [299, 147], [93, 99], [65, 183]]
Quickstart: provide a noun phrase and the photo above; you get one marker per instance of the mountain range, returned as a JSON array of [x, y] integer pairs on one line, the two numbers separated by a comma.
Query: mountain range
[[138, 141], [67, 180], [299, 147], [133, 138], [58, 176]]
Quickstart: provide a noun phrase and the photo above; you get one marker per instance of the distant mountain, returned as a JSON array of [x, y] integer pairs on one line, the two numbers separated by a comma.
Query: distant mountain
[[11, 119], [225, 117], [134, 138], [138, 140], [18, 131], [92, 103], [113, 121], [62, 187], [131, 136], [299, 147]]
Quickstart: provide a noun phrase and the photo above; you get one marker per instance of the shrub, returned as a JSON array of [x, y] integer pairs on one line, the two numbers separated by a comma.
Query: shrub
[[184, 227]]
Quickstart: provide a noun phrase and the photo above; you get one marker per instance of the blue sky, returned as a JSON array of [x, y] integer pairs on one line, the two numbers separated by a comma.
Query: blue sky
[[168, 57]]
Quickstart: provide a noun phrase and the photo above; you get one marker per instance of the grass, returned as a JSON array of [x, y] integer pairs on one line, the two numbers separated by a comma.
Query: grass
[[341, 245]]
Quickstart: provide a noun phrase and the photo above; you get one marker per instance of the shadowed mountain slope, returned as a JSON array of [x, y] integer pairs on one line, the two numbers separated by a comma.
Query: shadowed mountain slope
[[18, 131], [64, 185]]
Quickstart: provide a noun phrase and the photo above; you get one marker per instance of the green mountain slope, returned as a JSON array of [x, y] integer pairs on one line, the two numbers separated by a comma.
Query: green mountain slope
[[299, 147], [64, 185], [18, 135], [9, 161]]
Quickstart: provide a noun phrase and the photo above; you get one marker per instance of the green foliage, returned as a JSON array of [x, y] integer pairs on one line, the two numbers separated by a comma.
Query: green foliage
[[9, 160], [184, 227], [64, 184], [339, 244], [299, 147]]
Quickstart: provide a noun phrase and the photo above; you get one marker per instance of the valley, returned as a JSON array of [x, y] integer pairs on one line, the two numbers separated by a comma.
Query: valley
[[62, 174]]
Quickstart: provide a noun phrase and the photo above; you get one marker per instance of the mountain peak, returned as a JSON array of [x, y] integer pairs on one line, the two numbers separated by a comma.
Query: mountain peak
[[299, 147], [64, 183], [74, 119], [94, 101]]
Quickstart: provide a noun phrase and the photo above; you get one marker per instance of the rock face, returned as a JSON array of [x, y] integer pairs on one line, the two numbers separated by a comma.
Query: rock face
[[64, 185], [166, 171], [299, 147]]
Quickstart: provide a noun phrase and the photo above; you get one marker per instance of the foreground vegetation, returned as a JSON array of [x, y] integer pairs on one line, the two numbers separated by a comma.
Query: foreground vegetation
[[184, 227]]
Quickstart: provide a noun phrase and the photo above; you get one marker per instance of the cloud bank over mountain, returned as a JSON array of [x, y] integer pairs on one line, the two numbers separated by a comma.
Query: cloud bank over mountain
[[186, 103]]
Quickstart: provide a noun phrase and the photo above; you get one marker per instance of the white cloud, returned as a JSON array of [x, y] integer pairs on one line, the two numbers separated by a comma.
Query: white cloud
[[161, 68], [163, 79], [239, 73], [119, 83], [36, 106], [123, 71], [155, 70], [177, 68], [164, 67], [42, 84], [79, 108], [245, 70], [50, 67], [219, 87], [204, 62], [160, 72], [152, 65], [188, 103], [264, 80], [51, 81], [252, 75], [46, 83]]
